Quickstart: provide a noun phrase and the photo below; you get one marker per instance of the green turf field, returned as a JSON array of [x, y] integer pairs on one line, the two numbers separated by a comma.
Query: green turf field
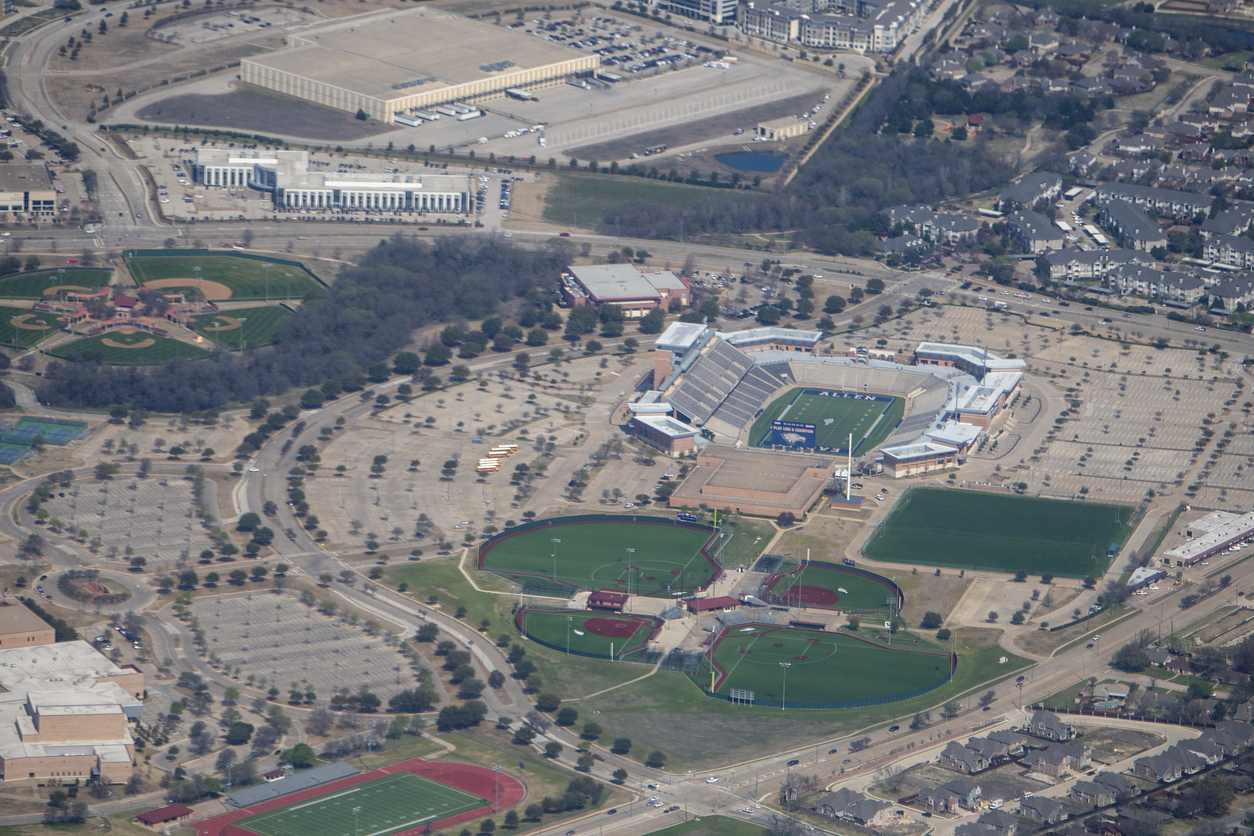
[[397, 802], [259, 325], [247, 278], [861, 594], [593, 555], [836, 668], [1001, 532], [833, 418], [550, 628], [11, 335], [33, 284], [161, 350]]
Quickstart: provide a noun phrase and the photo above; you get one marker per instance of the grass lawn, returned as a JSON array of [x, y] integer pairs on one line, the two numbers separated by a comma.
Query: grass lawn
[[834, 418], [138, 349], [394, 751], [1064, 698], [825, 667], [561, 629], [386, 805], [33, 284], [247, 327], [975, 530], [246, 278], [584, 199], [667, 557], [710, 825], [833, 587], [12, 336]]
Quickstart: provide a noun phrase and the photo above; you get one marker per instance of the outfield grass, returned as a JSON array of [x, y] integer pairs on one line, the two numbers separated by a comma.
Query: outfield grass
[[1001, 532], [861, 594], [33, 284], [397, 802], [259, 326], [594, 555], [825, 667], [555, 630], [247, 278], [847, 415], [161, 351], [584, 199], [11, 335]]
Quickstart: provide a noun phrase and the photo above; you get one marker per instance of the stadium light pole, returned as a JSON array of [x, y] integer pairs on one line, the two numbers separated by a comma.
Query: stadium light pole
[[556, 542], [629, 552], [356, 814], [783, 699], [569, 618]]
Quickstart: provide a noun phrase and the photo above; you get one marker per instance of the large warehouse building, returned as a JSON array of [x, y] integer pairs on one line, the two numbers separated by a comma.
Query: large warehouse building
[[391, 62]]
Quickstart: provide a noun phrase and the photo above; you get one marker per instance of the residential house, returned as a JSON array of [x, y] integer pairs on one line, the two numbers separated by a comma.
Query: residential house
[[1092, 794], [1043, 810], [1043, 42], [1084, 163], [855, 807], [1034, 232], [1122, 786], [1001, 822], [1058, 759], [1233, 250], [1133, 227], [1143, 145], [964, 759], [1231, 291], [1233, 221], [1047, 725], [960, 792], [1163, 201], [1012, 740], [1159, 656], [1140, 280]]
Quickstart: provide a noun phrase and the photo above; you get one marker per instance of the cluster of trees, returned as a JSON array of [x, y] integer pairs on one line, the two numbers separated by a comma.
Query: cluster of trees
[[831, 201], [364, 318], [63, 631]]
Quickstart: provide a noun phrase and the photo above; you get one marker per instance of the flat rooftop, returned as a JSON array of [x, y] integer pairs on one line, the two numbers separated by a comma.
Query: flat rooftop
[[680, 336], [22, 177], [758, 470], [15, 617], [607, 282], [392, 54]]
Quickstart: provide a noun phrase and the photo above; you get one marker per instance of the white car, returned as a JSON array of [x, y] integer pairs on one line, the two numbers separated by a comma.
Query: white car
[[630, 505], [711, 780]]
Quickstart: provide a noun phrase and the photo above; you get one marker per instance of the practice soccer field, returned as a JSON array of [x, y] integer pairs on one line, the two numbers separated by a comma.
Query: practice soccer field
[[833, 417], [243, 278], [593, 634], [825, 667], [594, 555], [832, 587], [388, 805], [133, 349], [245, 327], [38, 326], [1002, 532], [33, 284]]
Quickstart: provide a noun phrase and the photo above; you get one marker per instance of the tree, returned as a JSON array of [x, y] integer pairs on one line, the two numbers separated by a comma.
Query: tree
[[620, 775], [300, 756], [566, 717], [854, 622], [586, 761], [548, 703], [656, 759], [652, 322], [931, 620], [875, 286], [438, 355], [992, 615], [1215, 794], [987, 698], [239, 734], [1021, 576], [552, 750], [511, 820], [622, 745], [591, 731]]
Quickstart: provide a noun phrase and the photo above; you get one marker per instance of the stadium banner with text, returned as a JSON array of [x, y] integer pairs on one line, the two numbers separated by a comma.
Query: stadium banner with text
[[793, 434]]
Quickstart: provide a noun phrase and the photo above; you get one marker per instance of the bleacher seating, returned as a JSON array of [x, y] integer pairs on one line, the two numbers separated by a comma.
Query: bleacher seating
[[708, 383], [749, 396]]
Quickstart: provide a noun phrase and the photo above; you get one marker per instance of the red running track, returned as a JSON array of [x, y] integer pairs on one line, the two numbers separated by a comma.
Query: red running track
[[477, 780]]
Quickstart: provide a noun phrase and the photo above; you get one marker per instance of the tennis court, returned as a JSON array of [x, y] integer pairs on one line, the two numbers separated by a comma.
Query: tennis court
[[835, 415], [385, 805], [825, 667], [641, 556], [55, 432]]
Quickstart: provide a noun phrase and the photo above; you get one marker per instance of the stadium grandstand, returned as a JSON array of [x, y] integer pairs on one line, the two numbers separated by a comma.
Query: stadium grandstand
[[708, 383]]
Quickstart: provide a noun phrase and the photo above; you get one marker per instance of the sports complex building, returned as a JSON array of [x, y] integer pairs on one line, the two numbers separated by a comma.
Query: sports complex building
[[393, 62], [776, 388], [294, 184], [633, 291]]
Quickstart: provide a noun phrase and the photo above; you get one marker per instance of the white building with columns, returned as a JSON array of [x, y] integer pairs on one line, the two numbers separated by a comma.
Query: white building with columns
[[293, 184]]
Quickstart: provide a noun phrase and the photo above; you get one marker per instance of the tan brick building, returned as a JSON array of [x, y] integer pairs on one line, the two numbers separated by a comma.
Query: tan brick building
[[65, 714], [20, 627]]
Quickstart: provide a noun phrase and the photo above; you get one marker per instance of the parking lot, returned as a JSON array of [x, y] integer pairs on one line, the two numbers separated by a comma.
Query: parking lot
[[276, 640]]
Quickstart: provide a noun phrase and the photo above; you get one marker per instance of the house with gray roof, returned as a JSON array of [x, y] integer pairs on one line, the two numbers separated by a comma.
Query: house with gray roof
[[1091, 794], [1058, 759], [1232, 250], [1001, 822], [855, 807], [1047, 725], [1030, 190], [1121, 785], [1034, 232], [960, 792], [1043, 810], [1139, 280], [1163, 201], [1234, 290]]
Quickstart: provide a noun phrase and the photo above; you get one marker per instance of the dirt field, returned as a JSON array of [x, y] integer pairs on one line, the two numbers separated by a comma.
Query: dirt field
[[1112, 745], [696, 131], [254, 109], [75, 93]]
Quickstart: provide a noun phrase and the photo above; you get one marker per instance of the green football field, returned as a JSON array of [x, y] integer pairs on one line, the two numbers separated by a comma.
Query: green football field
[[387, 805], [243, 328], [825, 667], [159, 350], [833, 588], [246, 278], [11, 335], [834, 418], [595, 555], [1002, 532], [551, 628], [33, 284]]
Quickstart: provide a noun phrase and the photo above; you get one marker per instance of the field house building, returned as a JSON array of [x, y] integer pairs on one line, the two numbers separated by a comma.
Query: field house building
[[761, 482], [632, 290], [65, 714], [1218, 531], [294, 184], [27, 190], [391, 62]]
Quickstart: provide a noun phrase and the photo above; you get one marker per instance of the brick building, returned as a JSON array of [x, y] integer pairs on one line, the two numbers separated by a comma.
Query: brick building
[[20, 627]]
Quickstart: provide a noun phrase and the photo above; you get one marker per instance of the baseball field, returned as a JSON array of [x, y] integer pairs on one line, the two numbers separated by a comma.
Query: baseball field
[[33, 284], [243, 327], [219, 277], [137, 348]]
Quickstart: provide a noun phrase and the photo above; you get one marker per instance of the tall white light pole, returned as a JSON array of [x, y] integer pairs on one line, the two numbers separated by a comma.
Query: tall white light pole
[[356, 814], [783, 699], [555, 543]]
